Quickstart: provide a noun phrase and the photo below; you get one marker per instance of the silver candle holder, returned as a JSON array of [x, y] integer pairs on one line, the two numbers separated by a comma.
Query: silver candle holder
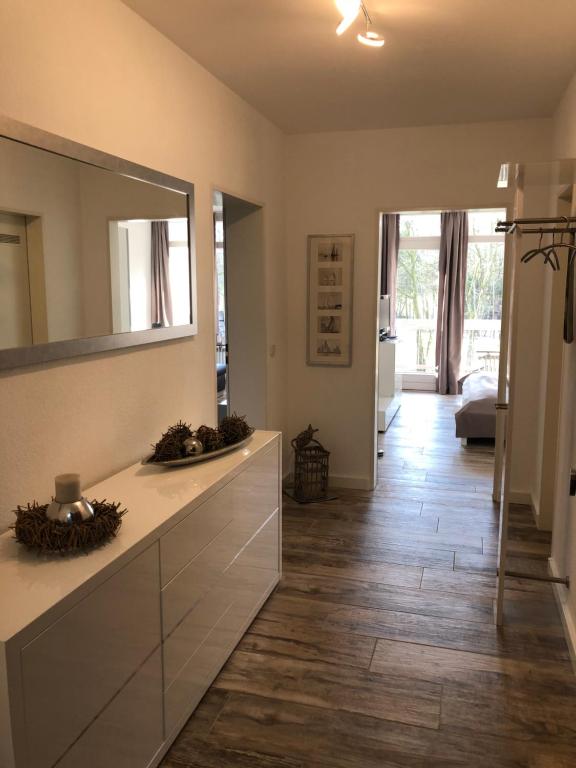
[[69, 506]]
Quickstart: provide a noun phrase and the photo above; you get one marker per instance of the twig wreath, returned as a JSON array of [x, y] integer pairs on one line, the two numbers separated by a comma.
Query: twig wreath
[[37, 532]]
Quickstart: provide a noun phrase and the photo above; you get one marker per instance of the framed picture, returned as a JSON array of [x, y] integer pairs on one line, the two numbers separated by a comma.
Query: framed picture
[[330, 273]]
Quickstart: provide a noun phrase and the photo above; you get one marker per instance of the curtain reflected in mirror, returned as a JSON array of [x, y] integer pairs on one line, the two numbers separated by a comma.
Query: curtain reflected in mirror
[[150, 274]]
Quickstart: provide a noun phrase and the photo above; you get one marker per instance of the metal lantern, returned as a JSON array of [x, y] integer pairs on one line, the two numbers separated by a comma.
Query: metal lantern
[[311, 465]]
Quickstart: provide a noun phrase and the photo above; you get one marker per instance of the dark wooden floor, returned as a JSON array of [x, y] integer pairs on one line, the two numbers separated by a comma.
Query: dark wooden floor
[[379, 649]]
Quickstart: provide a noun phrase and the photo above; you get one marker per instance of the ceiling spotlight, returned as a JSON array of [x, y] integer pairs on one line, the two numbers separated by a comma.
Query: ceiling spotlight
[[349, 10], [372, 39]]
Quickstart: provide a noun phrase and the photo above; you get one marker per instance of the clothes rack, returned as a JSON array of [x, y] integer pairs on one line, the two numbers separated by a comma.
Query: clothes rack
[[529, 226], [509, 227]]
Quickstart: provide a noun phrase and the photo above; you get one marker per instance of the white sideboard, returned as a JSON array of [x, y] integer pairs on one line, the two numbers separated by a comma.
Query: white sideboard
[[389, 384], [103, 657]]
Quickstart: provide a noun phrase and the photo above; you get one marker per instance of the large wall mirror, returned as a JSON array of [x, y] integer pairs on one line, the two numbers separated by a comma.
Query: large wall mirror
[[95, 253]]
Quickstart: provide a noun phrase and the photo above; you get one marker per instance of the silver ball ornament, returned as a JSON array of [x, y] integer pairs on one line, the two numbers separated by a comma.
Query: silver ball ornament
[[193, 446]]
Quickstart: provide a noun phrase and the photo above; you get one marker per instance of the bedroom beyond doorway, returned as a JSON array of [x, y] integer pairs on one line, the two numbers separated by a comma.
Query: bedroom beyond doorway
[[419, 278]]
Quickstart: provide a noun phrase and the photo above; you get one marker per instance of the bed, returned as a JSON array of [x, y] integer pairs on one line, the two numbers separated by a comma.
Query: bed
[[477, 415]]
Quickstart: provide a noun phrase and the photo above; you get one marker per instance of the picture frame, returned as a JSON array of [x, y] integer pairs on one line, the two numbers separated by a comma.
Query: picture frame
[[330, 299]]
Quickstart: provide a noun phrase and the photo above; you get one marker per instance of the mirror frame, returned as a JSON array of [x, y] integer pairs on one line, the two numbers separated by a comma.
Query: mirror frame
[[58, 350]]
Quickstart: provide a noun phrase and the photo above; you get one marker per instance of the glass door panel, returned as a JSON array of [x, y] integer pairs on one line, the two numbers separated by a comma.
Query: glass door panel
[[416, 310]]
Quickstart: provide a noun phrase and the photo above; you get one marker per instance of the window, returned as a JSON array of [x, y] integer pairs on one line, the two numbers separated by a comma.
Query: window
[[417, 292], [179, 270], [483, 308], [220, 282]]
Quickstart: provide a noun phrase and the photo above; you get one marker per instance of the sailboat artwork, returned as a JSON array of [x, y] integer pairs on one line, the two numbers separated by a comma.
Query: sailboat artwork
[[330, 269]]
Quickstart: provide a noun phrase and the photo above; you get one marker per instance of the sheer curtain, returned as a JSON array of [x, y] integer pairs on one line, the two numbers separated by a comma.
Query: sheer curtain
[[451, 299], [389, 262], [161, 297]]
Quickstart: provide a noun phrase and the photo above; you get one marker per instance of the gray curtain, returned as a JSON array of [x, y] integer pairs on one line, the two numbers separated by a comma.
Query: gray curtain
[[161, 298], [389, 266], [451, 297]]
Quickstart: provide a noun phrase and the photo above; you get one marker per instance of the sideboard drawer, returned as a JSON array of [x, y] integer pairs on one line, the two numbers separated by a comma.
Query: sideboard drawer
[[255, 571], [196, 676], [248, 500], [188, 538], [232, 556], [129, 732], [232, 572], [201, 643], [200, 576], [72, 670], [257, 564], [188, 636]]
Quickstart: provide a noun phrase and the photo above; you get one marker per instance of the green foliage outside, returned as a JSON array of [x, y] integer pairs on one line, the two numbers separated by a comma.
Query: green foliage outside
[[417, 292]]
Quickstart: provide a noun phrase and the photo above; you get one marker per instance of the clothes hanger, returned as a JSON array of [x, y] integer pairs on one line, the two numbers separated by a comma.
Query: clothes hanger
[[550, 254], [548, 251]]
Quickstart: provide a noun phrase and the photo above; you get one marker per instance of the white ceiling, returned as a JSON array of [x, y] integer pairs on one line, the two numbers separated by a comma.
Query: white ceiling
[[445, 61]]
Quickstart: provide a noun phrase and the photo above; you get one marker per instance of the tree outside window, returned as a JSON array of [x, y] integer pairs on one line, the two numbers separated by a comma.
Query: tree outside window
[[417, 292]]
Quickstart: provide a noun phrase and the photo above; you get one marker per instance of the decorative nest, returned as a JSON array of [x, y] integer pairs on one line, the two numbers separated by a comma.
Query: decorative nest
[[36, 531], [234, 429], [171, 444], [211, 439]]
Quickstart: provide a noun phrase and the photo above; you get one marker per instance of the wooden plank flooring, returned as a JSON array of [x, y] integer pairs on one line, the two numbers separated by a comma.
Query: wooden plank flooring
[[379, 649]]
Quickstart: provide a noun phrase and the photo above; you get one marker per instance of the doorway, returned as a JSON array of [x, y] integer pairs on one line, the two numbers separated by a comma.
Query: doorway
[[15, 308], [417, 296], [411, 259], [240, 309]]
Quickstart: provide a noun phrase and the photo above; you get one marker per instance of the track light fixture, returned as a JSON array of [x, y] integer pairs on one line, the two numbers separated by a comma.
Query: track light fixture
[[349, 10]]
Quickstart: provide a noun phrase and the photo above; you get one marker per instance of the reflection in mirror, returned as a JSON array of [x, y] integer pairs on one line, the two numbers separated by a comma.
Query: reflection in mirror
[[86, 252], [150, 274]]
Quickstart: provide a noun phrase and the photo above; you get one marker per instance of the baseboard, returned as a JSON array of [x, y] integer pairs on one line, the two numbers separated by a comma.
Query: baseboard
[[419, 383], [568, 620], [528, 500], [356, 483], [547, 526], [340, 481], [521, 497]]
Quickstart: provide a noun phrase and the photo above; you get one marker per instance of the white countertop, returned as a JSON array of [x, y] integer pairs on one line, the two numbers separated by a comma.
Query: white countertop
[[156, 499]]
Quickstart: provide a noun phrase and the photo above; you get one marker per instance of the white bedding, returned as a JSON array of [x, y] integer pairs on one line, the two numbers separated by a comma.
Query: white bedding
[[477, 416]]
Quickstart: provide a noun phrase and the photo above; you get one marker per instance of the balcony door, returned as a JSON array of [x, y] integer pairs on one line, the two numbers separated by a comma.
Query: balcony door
[[417, 296]]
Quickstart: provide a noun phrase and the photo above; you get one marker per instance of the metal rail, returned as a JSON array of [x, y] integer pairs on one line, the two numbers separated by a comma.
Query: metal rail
[[531, 577], [509, 227]]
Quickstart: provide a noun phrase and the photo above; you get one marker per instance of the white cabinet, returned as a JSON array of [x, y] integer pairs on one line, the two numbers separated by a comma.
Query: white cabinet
[[129, 731], [104, 657], [389, 384], [78, 665]]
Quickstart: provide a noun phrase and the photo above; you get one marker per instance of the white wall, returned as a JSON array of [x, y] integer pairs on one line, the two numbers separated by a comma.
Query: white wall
[[41, 184], [563, 558], [246, 376], [529, 379], [96, 73], [140, 273], [565, 124], [338, 183]]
